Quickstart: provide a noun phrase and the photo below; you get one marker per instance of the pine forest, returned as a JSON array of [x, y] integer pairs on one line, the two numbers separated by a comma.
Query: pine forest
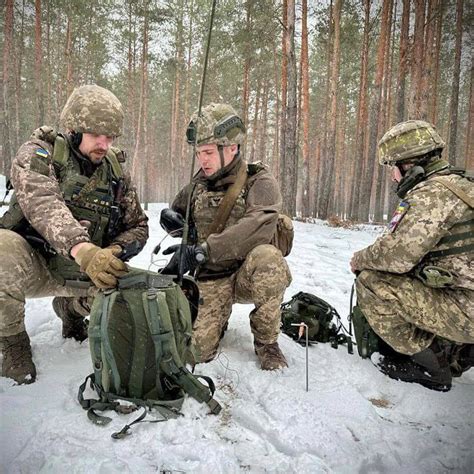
[[317, 84]]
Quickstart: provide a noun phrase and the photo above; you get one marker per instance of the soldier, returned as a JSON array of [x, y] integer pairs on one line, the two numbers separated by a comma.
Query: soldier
[[73, 219], [415, 284], [237, 261]]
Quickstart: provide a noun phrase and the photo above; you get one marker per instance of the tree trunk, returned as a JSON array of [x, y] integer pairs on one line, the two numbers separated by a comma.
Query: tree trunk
[[305, 210], [453, 109], [416, 107], [375, 116], [68, 54], [433, 109], [246, 78], [382, 123], [469, 151], [289, 168], [328, 177], [403, 62], [284, 93], [39, 64], [361, 122]]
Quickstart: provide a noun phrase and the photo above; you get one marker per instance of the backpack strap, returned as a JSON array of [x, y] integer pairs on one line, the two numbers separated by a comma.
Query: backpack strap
[[228, 201], [455, 190], [152, 313], [172, 364], [60, 152], [114, 163], [108, 302]]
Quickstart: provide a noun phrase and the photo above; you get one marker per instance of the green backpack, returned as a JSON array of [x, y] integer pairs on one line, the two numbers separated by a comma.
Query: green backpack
[[140, 340], [318, 316]]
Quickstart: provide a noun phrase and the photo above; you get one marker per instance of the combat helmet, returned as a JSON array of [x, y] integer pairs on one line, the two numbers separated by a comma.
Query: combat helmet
[[93, 109], [407, 141], [217, 123]]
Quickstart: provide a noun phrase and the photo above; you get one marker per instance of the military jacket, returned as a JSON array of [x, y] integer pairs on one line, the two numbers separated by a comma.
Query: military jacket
[[252, 221], [429, 220], [39, 191]]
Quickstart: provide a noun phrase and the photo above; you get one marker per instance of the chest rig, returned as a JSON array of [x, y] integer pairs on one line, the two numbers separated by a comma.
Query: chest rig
[[92, 202], [205, 205]]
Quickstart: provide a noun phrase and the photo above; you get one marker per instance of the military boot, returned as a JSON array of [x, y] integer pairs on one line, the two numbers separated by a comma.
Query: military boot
[[270, 356], [429, 368], [74, 324], [17, 358], [461, 359]]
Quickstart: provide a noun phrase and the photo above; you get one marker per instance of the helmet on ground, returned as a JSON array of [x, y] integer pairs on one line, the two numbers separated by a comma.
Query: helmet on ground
[[93, 109], [407, 141], [218, 123]]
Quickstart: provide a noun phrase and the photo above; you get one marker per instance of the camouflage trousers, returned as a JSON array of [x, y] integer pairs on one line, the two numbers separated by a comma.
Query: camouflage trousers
[[23, 274], [261, 280], [408, 315]]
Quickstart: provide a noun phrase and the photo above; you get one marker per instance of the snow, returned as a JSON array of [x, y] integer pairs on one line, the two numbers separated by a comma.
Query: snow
[[352, 419]]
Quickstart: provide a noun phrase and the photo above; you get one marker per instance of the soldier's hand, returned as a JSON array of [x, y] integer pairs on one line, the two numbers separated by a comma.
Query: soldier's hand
[[194, 255], [101, 265]]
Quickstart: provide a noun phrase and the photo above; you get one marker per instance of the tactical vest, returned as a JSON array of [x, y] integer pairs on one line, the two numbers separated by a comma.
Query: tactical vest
[[206, 202], [435, 272], [460, 237], [90, 200]]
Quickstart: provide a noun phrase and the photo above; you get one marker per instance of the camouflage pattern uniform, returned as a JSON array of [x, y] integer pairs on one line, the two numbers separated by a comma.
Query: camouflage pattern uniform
[[398, 303], [242, 265], [25, 269]]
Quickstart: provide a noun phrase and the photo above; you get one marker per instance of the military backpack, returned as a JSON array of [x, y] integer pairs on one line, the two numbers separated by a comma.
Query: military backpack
[[318, 317], [140, 340]]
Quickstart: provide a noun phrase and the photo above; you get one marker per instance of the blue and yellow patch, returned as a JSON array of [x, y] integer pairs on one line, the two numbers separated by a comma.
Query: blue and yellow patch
[[398, 216], [42, 152]]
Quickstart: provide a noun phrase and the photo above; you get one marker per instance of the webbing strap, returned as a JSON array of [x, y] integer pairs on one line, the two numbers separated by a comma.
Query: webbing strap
[[109, 300], [152, 314], [135, 382], [111, 157], [452, 251], [228, 201], [60, 151], [461, 194], [174, 367], [457, 237]]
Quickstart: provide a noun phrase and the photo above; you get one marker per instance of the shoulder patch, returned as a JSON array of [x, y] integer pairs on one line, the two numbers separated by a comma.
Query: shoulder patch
[[42, 152], [397, 217]]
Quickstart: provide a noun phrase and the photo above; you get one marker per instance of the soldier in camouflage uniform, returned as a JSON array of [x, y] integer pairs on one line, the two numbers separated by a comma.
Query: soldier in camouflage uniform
[[237, 264], [72, 221], [415, 284]]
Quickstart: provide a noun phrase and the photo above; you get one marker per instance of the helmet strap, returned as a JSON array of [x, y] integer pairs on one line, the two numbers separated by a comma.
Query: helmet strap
[[76, 139], [220, 149]]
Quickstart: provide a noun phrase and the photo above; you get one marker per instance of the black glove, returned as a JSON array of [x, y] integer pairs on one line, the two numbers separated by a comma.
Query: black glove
[[172, 222], [194, 255]]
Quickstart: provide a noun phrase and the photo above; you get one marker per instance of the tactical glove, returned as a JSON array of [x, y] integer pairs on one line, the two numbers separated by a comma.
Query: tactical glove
[[101, 265], [194, 255]]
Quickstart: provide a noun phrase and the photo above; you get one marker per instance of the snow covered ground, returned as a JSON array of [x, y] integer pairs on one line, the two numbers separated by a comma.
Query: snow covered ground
[[352, 419]]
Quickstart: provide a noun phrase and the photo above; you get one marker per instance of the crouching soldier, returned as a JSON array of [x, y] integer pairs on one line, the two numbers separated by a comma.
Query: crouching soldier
[[415, 284], [234, 258], [73, 219]]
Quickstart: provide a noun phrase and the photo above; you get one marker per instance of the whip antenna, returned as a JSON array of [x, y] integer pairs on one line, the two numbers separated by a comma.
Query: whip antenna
[[201, 95]]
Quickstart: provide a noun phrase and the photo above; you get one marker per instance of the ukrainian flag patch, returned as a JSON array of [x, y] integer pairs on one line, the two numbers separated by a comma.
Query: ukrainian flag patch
[[398, 215], [42, 152]]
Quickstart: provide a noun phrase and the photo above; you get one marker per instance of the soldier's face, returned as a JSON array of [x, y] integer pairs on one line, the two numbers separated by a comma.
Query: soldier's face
[[210, 160], [95, 147]]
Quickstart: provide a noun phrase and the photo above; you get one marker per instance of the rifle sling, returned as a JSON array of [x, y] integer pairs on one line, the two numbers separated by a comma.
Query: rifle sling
[[228, 201]]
